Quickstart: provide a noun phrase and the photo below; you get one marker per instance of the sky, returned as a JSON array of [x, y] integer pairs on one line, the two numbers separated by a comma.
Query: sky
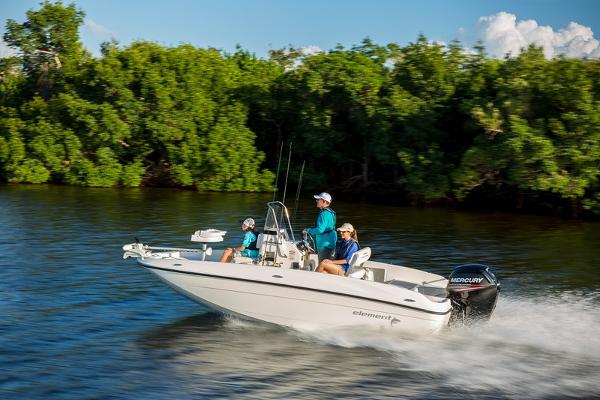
[[562, 27]]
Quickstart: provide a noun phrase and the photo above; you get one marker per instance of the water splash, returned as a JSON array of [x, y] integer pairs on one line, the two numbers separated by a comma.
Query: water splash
[[532, 347]]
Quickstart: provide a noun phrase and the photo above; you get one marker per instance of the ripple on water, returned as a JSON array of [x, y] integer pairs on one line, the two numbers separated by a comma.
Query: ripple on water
[[79, 322]]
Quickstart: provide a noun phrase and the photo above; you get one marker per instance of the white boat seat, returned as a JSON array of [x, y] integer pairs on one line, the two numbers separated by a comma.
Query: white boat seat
[[358, 259], [259, 240]]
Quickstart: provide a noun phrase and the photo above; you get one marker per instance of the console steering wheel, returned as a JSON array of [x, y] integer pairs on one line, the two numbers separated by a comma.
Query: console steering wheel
[[309, 243]]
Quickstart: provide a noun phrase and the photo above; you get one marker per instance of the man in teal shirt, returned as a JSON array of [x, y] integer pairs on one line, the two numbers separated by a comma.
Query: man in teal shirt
[[324, 230]]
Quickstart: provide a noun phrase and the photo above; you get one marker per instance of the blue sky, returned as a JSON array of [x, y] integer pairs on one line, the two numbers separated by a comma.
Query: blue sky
[[261, 25]]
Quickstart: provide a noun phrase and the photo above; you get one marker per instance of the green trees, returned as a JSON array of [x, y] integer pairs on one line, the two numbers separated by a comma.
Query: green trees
[[184, 119], [424, 122], [49, 45], [336, 106], [539, 131], [146, 113], [428, 76]]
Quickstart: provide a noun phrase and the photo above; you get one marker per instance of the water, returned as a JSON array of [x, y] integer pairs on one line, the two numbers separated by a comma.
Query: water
[[78, 322]]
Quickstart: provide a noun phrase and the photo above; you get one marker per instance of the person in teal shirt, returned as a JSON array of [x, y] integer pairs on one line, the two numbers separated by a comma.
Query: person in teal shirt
[[248, 247], [324, 230]]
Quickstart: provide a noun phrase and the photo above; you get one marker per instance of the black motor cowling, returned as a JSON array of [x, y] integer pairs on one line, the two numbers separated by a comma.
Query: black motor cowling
[[473, 291]]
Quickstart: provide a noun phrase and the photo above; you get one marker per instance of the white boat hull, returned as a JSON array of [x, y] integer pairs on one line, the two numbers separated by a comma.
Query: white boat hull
[[301, 299]]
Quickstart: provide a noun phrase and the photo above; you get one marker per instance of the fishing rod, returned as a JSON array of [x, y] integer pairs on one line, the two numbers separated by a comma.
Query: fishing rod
[[287, 173], [298, 191], [277, 176]]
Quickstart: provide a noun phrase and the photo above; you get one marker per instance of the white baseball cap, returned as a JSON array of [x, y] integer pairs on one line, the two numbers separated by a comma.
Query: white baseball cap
[[249, 222], [346, 227], [324, 196]]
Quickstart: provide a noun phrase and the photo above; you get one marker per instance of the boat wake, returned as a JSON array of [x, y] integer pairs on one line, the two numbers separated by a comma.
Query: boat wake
[[533, 347]]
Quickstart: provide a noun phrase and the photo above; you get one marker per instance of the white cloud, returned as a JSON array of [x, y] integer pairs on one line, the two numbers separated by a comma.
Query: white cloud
[[304, 52], [6, 50], [97, 28], [310, 50], [501, 33], [389, 63]]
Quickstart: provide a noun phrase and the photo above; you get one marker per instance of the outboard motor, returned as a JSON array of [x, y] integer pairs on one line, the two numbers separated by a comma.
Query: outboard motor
[[473, 291]]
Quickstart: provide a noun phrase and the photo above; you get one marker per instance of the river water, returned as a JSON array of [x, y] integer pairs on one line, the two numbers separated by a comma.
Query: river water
[[79, 322]]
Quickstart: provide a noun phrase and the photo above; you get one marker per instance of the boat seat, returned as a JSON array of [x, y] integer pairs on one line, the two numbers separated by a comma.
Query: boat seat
[[358, 259], [259, 240]]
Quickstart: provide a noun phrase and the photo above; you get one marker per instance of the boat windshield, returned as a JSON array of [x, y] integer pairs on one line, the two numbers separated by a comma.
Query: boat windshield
[[278, 220]]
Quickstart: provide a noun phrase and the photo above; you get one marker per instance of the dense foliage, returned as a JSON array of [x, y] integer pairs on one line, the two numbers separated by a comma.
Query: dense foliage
[[424, 122]]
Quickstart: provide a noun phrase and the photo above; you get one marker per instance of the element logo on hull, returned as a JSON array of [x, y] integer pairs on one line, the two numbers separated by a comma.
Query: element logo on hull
[[393, 320]]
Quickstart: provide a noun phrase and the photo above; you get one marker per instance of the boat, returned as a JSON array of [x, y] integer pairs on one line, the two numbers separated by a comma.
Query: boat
[[281, 287]]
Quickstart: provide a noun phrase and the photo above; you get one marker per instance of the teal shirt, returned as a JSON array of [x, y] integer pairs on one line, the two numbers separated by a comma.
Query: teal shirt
[[324, 230], [249, 237]]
